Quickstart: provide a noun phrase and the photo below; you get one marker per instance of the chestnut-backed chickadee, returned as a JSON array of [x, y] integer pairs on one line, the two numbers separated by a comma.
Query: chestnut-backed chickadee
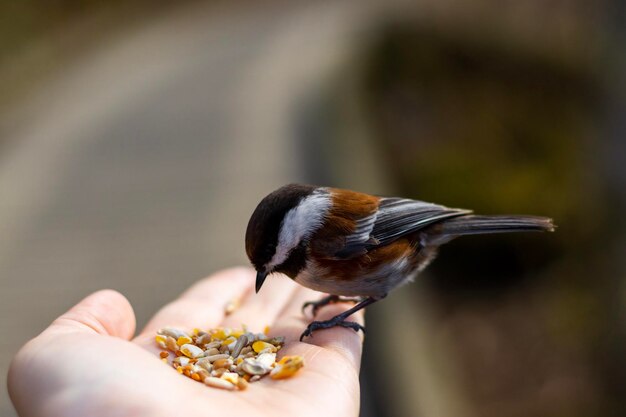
[[356, 245]]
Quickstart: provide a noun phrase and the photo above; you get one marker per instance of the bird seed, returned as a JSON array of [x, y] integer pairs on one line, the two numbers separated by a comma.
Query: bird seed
[[225, 358]]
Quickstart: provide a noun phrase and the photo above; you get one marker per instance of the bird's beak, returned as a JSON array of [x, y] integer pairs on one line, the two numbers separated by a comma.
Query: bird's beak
[[260, 279]]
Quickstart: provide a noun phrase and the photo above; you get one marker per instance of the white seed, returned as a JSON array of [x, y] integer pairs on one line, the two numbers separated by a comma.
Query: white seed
[[266, 359], [254, 367], [213, 358], [180, 360], [218, 383], [171, 344], [255, 378], [204, 363], [172, 332], [211, 352], [231, 306], [212, 345]]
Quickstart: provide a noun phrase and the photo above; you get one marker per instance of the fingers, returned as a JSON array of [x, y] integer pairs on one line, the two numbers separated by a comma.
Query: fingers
[[105, 312], [260, 310], [202, 305], [38, 370], [291, 323]]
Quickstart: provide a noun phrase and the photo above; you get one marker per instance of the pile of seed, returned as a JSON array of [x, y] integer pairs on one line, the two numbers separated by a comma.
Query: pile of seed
[[225, 358]]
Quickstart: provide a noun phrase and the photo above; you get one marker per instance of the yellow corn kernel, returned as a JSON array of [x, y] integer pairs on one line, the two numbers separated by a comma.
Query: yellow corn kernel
[[229, 340], [242, 383], [287, 367], [222, 363], [161, 339], [239, 360], [259, 345], [196, 331], [183, 340], [179, 369], [236, 333], [195, 376], [231, 377], [291, 359], [221, 334], [266, 330], [191, 351]]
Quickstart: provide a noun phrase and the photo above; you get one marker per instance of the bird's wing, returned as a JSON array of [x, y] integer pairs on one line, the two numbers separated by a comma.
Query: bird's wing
[[395, 217]]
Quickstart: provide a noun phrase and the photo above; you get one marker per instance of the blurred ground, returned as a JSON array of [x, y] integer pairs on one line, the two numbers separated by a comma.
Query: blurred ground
[[133, 159]]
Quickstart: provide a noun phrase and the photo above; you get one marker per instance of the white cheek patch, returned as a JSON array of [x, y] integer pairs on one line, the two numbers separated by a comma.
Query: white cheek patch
[[300, 223]]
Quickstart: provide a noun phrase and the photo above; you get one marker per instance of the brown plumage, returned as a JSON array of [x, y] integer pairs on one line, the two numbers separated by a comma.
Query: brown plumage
[[346, 209]]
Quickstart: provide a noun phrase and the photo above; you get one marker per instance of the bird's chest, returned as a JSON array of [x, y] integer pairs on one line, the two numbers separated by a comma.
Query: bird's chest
[[358, 277]]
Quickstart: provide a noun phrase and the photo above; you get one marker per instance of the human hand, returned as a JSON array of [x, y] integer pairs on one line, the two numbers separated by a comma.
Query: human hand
[[87, 362]]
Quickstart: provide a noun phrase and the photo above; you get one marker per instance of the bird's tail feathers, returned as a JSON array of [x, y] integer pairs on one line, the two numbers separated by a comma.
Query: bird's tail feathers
[[475, 224]]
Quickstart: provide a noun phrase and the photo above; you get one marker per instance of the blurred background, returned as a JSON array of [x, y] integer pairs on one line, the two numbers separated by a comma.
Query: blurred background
[[136, 137]]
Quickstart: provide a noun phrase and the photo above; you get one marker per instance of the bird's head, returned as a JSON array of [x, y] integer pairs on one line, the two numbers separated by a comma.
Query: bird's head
[[279, 229]]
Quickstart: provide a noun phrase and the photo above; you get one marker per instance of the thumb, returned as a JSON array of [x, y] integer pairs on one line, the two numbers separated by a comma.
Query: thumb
[[105, 312]]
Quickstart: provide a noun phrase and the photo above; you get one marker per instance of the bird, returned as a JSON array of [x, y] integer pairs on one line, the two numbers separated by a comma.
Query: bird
[[355, 246]]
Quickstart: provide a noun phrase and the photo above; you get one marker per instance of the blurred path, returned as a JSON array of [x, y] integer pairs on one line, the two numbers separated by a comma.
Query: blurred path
[[138, 168]]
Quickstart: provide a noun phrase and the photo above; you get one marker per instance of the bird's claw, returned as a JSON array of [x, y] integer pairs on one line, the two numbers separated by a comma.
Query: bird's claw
[[331, 299], [319, 304], [318, 325]]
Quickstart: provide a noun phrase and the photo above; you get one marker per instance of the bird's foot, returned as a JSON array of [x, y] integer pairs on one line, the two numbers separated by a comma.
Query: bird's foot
[[331, 299], [327, 324]]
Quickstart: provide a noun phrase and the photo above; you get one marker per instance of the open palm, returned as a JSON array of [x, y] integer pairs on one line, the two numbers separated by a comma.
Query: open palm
[[87, 362]]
